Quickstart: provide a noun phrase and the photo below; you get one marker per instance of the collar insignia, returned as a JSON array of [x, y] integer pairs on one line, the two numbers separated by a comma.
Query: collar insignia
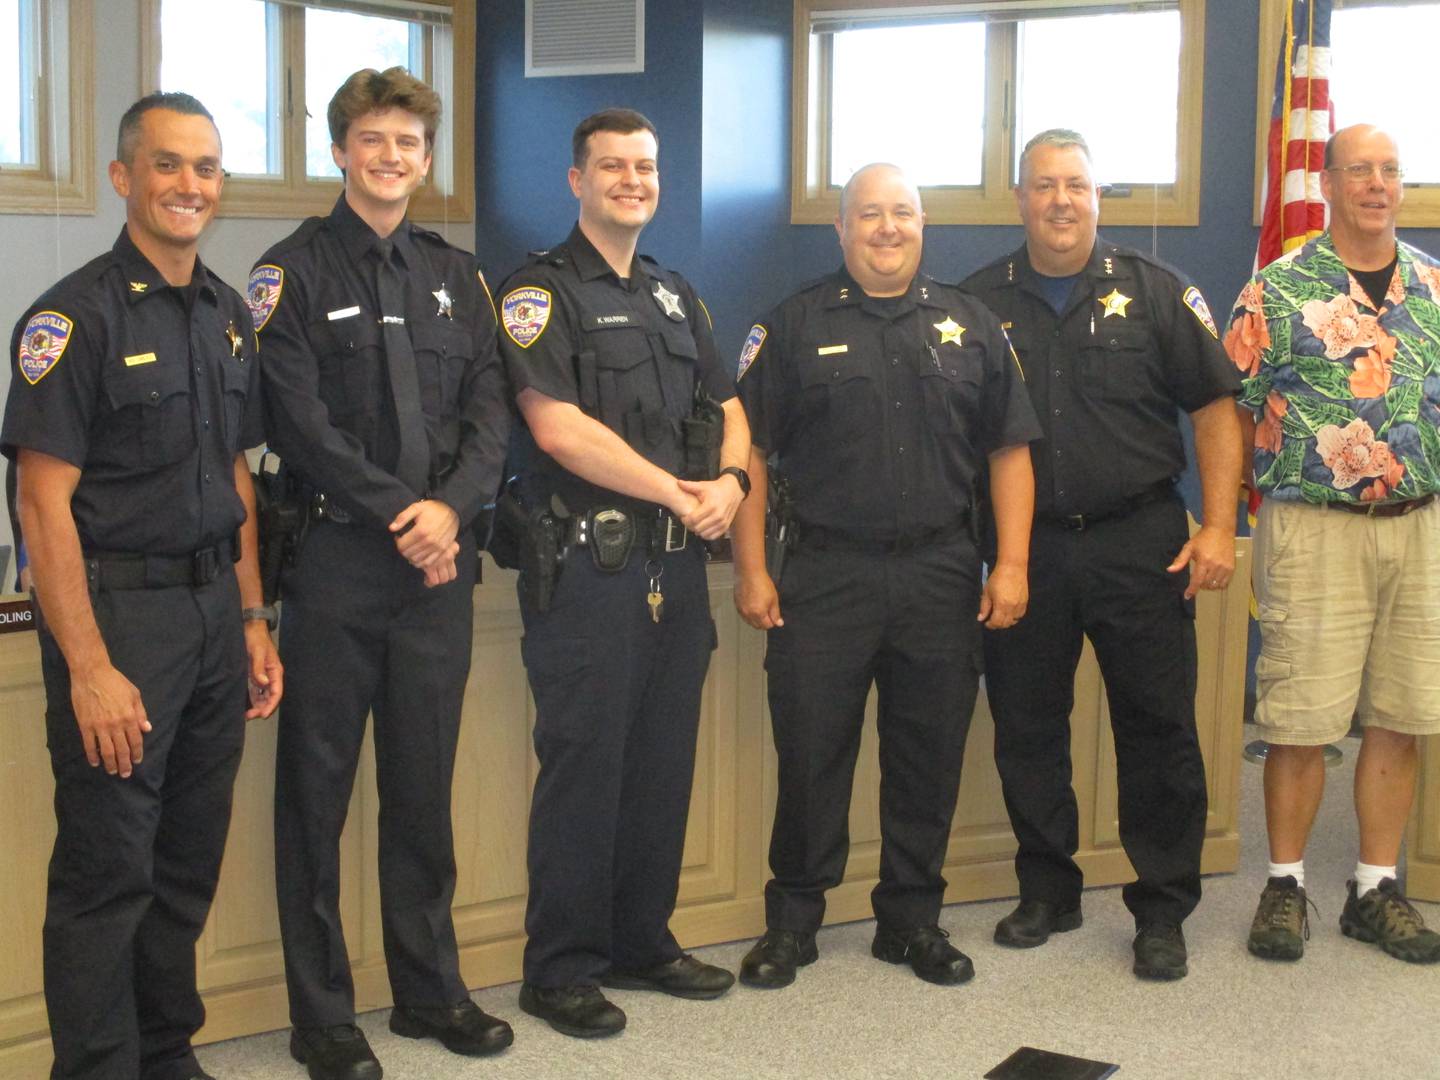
[[669, 302], [1114, 303], [139, 286], [442, 297], [950, 330], [1109, 265]]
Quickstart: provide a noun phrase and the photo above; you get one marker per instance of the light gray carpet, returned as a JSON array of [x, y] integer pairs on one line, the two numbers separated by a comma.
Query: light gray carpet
[[1345, 1010]]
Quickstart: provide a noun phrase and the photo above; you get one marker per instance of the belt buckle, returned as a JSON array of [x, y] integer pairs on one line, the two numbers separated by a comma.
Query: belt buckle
[[204, 565], [670, 542], [1074, 521]]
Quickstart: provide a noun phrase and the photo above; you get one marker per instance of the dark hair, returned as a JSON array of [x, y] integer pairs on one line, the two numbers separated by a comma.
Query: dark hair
[[370, 91], [620, 121], [173, 100]]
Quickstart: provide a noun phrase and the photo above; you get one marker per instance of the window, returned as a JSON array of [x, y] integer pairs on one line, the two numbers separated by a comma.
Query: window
[[952, 89], [1398, 35], [46, 111], [284, 60]]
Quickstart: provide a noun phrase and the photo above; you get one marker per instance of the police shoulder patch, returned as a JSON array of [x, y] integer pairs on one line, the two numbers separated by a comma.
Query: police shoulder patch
[[263, 293], [1196, 303], [42, 343], [525, 312], [750, 351]]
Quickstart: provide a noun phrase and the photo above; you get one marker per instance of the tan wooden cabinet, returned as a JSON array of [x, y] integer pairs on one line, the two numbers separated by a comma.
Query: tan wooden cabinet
[[725, 858]]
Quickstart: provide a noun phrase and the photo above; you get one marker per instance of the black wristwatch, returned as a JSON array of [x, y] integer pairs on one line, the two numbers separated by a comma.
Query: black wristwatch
[[268, 613], [740, 475]]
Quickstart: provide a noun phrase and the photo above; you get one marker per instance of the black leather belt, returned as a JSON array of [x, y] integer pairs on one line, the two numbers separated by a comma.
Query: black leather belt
[[1385, 510], [1079, 522], [815, 538], [323, 508], [111, 571], [656, 529]]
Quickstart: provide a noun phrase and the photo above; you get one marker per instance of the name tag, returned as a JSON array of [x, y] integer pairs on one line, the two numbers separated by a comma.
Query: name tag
[[398, 320], [343, 313], [605, 322], [831, 350], [140, 358]]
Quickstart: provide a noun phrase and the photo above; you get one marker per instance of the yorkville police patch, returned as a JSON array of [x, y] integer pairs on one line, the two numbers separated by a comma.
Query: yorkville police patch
[[750, 350], [525, 312], [1196, 303], [263, 293], [42, 343]]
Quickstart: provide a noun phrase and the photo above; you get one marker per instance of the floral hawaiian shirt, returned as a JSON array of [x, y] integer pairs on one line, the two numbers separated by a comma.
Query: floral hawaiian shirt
[[1346, 398]]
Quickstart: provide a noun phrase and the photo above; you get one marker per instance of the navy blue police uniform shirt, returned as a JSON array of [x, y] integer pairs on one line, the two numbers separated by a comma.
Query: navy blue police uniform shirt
[[882, 410], [150, 390], [628, 353], [328, 405], [1134, 343]]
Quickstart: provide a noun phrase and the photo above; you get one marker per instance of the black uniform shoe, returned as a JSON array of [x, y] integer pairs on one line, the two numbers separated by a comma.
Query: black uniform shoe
[[461, 1029], [683, 977], [927, 952], [1033, 921], [334, 1053], [581, 1011], [771, 961], [1160, 951]]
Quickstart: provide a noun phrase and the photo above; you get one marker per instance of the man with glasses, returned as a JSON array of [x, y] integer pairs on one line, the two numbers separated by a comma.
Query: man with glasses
[[1336, 345]]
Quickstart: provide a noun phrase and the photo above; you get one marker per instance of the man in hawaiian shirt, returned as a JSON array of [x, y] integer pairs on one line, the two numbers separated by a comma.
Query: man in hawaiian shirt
[[1337, 345]]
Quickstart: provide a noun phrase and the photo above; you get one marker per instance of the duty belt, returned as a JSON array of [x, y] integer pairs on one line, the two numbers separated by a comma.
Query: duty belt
[[113, 570], [656, 529], [1079, 522], [815, 538], [1385, 510]]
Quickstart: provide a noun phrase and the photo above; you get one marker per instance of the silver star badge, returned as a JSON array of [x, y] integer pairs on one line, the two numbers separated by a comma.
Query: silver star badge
[[442, 296], [669, 302]]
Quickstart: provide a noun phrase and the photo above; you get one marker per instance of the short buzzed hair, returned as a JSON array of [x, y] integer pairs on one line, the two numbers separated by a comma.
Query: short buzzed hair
[[849, 184], [170, 100], [1064, 138], [620, 121], [369, 91]]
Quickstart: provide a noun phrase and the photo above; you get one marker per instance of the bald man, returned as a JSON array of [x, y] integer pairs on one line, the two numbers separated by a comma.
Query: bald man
[[881, 396], [1335, 345]]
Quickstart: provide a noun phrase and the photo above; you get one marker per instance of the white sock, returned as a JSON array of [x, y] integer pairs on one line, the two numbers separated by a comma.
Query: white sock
[[1289, 869], [1368, 877]]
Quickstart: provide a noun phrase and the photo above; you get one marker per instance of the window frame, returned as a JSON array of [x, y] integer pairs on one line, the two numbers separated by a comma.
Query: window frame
[[1421, 208], [813, 201], [294, 194], [63, 181]]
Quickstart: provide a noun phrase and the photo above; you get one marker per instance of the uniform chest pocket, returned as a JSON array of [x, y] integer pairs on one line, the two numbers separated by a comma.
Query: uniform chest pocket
[[235, 391], [154, 414], [952, 392], [840, 389], [351, 362], [1115, 362], [443, 350], [618, 364]]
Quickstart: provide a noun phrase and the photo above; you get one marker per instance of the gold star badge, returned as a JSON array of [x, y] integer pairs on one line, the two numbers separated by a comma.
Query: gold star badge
[[1114, 303], [950, 330], [233, 336]]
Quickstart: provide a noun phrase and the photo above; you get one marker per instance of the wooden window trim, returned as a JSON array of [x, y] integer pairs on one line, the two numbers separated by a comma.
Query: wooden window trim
[[294, 195], [813, 202], [63, 183]]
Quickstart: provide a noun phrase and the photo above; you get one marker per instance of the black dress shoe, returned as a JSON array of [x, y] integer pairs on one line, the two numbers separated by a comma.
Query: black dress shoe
[[771, 961], [1033, 921], [461, 1029], [581, 1011], [1160, 951], [927, 952], [339, 1052], [683, 977]]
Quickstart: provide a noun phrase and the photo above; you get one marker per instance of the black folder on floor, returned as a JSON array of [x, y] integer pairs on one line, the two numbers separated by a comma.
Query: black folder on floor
[[1028, 1063]]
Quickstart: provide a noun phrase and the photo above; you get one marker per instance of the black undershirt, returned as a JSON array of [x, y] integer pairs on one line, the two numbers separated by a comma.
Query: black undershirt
[[1376, 283]]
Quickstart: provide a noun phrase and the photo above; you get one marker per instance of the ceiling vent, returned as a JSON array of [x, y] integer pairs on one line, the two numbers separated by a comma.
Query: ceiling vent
[[584, 37]]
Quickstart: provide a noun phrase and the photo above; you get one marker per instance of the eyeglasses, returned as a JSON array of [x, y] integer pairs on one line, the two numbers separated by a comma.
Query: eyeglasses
[[1361, 171]]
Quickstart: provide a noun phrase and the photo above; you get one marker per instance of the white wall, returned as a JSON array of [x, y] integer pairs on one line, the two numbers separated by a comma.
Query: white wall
[[39, 249]]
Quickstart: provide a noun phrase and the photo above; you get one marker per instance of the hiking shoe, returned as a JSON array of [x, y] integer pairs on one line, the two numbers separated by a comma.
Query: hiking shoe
[[1160, 951], [1384, 917], [1282, 924]]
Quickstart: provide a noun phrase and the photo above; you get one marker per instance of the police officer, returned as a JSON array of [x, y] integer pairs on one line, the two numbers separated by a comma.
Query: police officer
[[605, 351], [134, 391], [1113, 344], [881, 395], [386, 399]]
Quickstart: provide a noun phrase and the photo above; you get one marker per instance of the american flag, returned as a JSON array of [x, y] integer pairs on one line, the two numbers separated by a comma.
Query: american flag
[[1301, 119]]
